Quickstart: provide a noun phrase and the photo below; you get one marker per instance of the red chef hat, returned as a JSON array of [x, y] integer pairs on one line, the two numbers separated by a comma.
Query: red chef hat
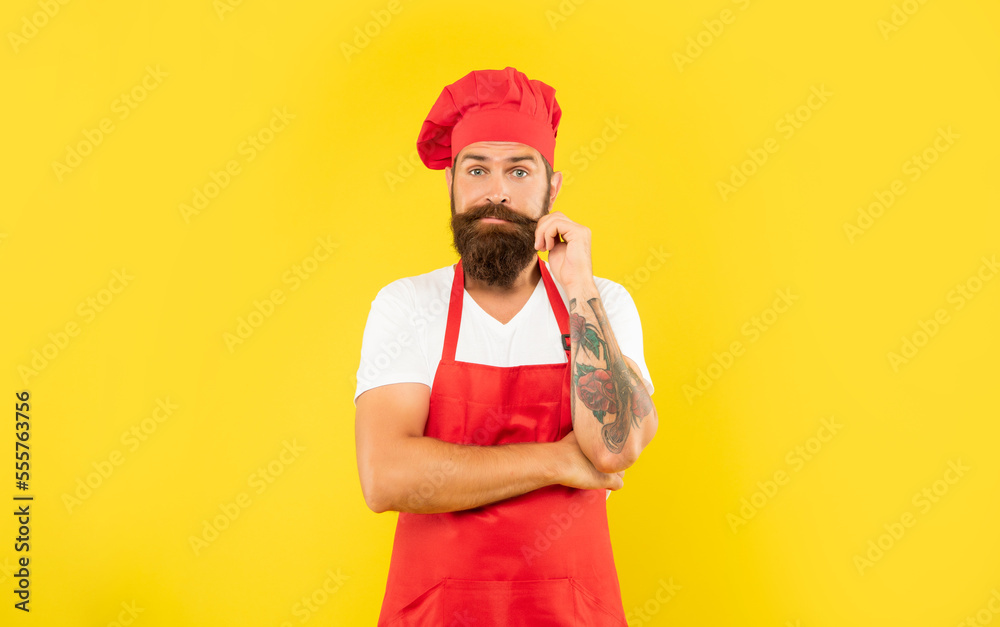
[[489, 105]]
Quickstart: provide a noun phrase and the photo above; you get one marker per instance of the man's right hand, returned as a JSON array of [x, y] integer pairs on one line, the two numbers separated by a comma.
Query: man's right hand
[[577, 471]]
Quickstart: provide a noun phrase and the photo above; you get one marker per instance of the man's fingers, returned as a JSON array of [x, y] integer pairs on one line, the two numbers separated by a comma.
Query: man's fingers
[[549, 228], [545, 236]]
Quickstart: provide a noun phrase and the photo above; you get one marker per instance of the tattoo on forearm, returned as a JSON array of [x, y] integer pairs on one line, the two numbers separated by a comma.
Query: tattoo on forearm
[[607, 385]]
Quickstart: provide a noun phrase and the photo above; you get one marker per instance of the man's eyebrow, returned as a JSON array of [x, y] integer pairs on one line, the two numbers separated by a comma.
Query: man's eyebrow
[[508, 159]]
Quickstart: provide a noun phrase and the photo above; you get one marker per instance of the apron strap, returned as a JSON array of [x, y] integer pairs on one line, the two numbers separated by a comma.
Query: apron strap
[[558, 306], [454, 313], [458, 297]]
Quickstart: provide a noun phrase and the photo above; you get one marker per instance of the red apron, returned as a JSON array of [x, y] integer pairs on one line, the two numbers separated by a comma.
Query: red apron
[[539, 559]]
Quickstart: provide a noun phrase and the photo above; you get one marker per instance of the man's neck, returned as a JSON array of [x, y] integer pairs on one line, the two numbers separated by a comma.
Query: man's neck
[[525, 282]]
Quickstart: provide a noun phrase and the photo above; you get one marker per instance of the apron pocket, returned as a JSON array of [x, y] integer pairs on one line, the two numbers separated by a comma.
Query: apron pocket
[[470, 602], [419, 611], [522, 603], [593, 610]]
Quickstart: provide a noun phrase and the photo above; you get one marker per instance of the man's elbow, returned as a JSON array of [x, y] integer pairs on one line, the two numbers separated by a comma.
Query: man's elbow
[[612, 463], [372, 498], [376, 502], [608, 462], [373, 489]]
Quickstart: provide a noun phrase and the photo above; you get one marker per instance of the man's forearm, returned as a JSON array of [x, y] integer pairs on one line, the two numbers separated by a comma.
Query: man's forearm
[[613, 414], [426, 475]]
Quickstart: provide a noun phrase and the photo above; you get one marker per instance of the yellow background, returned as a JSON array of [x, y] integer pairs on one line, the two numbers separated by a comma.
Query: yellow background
[[691, 95]]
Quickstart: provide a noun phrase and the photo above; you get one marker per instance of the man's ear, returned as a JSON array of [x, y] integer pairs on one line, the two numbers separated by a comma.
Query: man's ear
[[556, 186], [447, 177]]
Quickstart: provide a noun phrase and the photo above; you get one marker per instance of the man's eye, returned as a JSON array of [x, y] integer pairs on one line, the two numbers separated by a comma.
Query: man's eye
[[524, 172], [474, 170]]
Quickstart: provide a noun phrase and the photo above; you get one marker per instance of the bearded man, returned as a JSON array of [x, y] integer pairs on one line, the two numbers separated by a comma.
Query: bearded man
[[502, 422]]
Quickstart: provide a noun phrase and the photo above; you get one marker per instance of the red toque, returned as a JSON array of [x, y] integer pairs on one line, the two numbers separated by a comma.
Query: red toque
[[489, 105]]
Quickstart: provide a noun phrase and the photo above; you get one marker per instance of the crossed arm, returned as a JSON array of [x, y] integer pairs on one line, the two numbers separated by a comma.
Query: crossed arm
[[613, 415], [402, 470]]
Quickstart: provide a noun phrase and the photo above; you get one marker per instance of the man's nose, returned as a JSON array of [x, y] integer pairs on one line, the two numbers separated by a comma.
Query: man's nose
[[497, 191]]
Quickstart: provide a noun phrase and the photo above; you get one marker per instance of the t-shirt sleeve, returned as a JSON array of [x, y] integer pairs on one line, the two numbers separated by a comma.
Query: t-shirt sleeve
[[625, 324], [390, 347]]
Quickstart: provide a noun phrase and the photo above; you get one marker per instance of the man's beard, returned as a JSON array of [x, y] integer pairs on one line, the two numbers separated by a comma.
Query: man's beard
[[494, 253]]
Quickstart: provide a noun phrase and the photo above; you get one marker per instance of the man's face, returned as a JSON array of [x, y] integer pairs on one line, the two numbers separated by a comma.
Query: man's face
[[499, 190]]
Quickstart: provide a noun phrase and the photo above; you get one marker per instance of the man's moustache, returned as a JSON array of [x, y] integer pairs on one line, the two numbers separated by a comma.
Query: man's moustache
[[501, 213]]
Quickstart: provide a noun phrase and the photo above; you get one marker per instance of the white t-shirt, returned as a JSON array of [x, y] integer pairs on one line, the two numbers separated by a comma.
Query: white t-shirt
[[404, 335]]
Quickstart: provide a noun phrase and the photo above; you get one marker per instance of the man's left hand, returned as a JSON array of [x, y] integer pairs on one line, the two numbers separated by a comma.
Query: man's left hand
[[570, 259]]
